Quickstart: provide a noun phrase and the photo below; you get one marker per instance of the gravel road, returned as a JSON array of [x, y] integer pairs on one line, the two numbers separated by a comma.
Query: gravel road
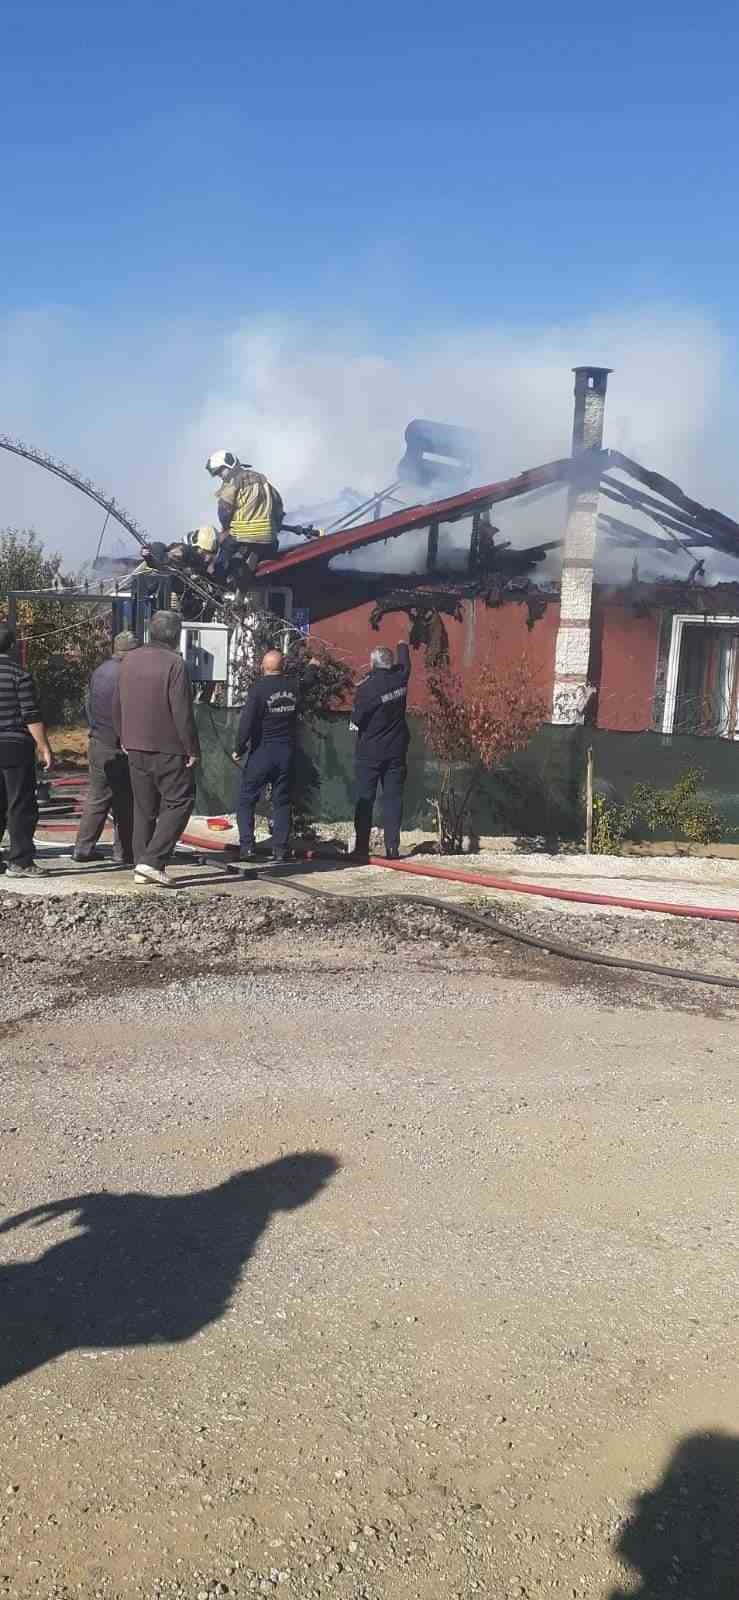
[[345, 1254]]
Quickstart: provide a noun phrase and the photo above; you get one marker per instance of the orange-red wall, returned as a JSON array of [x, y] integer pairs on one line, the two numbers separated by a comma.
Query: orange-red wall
[[624, 645], [484, 634], [628, 665]]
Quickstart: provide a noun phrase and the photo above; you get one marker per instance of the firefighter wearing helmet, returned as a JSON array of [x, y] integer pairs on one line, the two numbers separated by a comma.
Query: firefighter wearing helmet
[[250, 512]]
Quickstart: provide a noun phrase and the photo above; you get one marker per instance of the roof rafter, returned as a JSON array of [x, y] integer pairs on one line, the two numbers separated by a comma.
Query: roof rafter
[[723, 531]]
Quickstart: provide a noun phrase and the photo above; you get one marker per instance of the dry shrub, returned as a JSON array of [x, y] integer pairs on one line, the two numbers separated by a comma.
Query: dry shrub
[[471, 729]]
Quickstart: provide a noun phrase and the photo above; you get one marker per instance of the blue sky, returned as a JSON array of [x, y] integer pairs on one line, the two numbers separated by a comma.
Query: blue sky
[[410, 161], [289, 228]]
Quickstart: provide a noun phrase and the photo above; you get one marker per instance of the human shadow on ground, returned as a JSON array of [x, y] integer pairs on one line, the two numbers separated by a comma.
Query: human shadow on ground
[[683, 1536], [145, 1268]]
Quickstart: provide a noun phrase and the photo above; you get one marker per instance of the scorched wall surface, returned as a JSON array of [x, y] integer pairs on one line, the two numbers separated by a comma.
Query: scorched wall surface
[[484, 635], [623, 654]]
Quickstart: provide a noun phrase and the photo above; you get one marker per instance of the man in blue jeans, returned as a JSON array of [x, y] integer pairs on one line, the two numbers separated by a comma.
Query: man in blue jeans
[[379, 721], [268, 726]]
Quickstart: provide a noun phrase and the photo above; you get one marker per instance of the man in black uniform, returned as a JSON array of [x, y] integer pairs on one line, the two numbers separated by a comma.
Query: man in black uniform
[[268, 725], [379, 720]]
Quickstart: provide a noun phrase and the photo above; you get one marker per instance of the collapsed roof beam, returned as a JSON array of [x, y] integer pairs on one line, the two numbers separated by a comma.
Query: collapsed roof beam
[[641, 501], [627, 535], [691, 535], [660, 510], [724, 531]]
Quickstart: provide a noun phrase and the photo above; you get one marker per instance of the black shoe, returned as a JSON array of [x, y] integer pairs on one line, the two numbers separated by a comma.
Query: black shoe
[[95, 855], [249, 854], [392, 855], [358, 858]]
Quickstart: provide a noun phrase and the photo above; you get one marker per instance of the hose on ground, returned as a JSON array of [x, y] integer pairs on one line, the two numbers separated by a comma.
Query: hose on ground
[[487, 880], [554, 947]]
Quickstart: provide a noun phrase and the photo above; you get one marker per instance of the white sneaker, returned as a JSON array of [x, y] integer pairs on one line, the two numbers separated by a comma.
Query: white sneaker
[[146, 874]]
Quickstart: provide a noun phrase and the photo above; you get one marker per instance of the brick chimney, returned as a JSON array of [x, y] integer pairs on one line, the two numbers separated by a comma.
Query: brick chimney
[[571, 688]]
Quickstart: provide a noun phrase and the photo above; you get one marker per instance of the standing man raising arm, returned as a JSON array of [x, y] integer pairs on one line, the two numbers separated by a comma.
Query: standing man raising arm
[[153, 718], [22, 734], [379, 721]]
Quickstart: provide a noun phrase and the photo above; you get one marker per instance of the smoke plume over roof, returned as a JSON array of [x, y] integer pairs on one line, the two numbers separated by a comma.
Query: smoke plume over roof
[[318, 412]]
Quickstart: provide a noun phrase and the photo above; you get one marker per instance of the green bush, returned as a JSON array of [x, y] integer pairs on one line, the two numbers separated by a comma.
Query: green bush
[[678, 812], [63, 643]]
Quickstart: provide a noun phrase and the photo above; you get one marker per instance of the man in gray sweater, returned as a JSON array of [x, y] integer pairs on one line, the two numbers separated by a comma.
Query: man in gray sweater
[[153, 718], [110, 786]]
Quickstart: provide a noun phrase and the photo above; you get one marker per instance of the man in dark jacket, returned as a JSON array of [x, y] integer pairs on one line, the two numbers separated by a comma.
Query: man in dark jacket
[[268, 726], [153, 719], [110, 784], [22, 734], [379, 721]]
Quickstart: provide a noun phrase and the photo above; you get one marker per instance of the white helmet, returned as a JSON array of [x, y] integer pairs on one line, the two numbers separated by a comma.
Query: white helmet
[[221, 461], [203, 539]]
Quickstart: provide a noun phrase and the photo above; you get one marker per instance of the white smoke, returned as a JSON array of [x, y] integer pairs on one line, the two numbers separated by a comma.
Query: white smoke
[[139, 415]]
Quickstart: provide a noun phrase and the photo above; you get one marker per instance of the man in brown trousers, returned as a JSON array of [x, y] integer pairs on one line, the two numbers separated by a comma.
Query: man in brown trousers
[[110, 785], [153, 717]]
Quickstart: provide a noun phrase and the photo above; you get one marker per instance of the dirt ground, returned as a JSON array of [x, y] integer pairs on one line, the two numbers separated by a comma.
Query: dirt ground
[[358, 1257]]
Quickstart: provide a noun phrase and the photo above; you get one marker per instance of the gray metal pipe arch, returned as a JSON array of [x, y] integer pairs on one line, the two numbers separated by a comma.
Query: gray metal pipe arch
[[41, 458]]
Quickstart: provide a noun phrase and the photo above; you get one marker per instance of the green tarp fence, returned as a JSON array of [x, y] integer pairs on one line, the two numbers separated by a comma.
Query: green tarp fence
[[622, 759], [538, 793]]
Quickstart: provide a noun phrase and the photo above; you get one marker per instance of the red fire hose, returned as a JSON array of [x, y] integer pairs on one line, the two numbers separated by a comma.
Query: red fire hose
[[485, 880], [492, 925]]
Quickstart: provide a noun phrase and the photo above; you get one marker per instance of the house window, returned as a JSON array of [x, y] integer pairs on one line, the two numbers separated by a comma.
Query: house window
[[703, 677], [280, 603]]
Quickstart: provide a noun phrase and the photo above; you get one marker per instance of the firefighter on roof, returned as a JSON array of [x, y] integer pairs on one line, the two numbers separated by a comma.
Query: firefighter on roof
[[250, 512]]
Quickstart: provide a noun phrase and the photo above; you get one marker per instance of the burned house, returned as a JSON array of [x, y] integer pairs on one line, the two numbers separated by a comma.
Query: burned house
[[656, 650], [644, 668], [617, 586], [655, 653]]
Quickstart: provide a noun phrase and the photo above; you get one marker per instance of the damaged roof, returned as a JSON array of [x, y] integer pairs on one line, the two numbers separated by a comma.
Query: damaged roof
[[452, 509], [681, 523]]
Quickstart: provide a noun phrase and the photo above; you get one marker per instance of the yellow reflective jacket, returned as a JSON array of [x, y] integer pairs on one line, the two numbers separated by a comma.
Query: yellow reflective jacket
[[249, 507]]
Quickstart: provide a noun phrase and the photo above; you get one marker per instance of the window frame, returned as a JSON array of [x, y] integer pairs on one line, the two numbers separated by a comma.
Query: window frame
[[679, 623]]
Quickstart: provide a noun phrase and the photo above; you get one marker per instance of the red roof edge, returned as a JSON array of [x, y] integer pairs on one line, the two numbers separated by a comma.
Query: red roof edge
[[418, 517]]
